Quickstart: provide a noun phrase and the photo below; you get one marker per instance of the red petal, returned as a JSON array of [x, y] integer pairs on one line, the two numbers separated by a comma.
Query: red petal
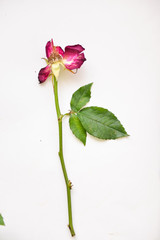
[[59, 50], [77, 47], [72, 59], [49, 48], [44, 73]]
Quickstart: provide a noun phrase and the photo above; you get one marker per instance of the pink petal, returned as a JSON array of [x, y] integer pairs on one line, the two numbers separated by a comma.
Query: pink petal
[[44, 73], [72, 59], [59, 50], [49, 48], [77, 47]]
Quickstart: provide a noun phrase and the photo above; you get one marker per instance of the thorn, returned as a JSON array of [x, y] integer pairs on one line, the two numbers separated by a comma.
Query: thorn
[[70, 185]]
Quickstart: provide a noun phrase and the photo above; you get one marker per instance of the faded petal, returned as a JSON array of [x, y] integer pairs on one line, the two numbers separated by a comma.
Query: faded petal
[[49, 48], [59, 50], [44, 73], [77, 47], [56, 69], [72, 59]]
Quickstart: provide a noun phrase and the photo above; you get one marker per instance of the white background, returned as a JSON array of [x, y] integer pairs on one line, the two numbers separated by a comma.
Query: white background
[[116, 193]]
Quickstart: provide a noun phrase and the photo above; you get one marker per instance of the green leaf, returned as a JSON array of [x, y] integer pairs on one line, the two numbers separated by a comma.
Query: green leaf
[[1, 220], [81, 97], [77, 128], [101, 123]]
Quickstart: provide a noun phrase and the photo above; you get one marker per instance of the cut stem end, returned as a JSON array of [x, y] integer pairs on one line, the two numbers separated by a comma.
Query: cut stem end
[[71, 230]]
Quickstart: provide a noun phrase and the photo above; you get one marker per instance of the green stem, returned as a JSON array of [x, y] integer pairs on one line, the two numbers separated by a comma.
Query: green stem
[[67, 181]]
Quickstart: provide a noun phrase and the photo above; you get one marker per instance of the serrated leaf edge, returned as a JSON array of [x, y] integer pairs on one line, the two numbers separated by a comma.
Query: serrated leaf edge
[[84, 143], [125, 134], [84, 92]]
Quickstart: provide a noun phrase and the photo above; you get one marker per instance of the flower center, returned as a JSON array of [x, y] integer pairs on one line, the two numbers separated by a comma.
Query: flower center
[[55, 57]]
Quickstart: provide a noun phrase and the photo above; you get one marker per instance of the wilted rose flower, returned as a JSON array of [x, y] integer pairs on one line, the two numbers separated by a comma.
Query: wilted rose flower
[[72, 58]]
